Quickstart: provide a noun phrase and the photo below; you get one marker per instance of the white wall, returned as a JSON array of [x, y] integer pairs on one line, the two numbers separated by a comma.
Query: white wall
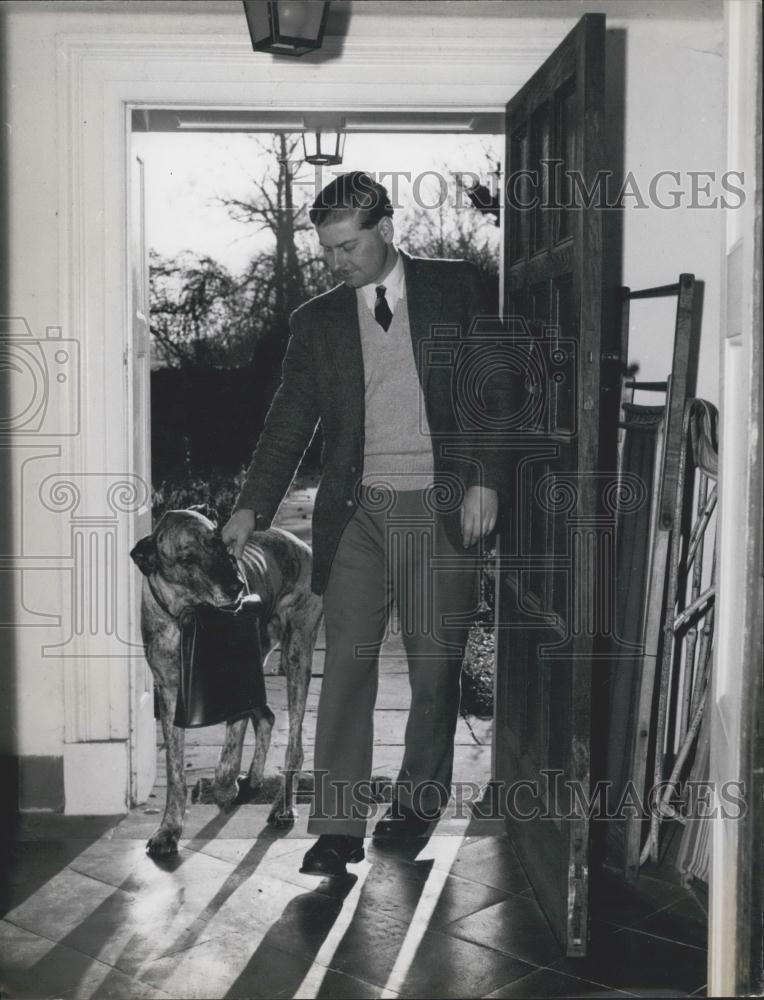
[[674, 78], [674, 122]]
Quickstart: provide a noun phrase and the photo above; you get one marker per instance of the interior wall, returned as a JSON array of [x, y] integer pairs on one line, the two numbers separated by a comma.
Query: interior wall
[[673, 84], [675, 123]]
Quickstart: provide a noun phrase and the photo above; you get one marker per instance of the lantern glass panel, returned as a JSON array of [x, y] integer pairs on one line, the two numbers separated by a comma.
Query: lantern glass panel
[[323, 148], [300, 19], [258, 21]]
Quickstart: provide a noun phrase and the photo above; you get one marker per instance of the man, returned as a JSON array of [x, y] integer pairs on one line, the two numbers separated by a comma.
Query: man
[[403, 501]]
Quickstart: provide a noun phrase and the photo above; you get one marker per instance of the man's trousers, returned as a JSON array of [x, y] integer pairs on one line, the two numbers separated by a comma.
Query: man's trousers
[[394, 550]]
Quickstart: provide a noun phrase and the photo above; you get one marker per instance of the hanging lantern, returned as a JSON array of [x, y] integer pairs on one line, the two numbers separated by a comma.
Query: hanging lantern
[[323, 149], [286, 27]]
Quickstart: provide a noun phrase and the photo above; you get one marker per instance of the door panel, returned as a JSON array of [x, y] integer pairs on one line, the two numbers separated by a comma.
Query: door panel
[[551, 568]]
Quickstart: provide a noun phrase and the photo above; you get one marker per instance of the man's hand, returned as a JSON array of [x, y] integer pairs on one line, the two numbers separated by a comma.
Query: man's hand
[[238, 529], [479, 509]]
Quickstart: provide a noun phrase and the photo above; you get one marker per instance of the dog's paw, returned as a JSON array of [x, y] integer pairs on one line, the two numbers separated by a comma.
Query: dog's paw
[[282, 818], [226, 796], [244, 791], [203, 792], [209, 792], [162, 843]]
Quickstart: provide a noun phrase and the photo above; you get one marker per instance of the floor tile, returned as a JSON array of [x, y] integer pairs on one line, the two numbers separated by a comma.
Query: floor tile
[[500, 869], [160, 911], [327, 984], [396, 887], [639, 963], [448, 967], [515, 927], [273, 960], [61, 905], [547, 983], [206, 970], [110, 861], [683, 921], [254, 902], [459, 898], [625, 903], [32, 966], [233, 850], [51, 827], [273, 973], [27, 867], [364, 948]]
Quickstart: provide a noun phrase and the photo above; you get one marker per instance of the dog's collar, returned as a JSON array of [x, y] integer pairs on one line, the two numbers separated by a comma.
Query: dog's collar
[[160, 601]]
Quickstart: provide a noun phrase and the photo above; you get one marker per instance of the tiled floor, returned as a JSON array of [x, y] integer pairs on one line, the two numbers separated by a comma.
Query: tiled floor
[[88, 914]]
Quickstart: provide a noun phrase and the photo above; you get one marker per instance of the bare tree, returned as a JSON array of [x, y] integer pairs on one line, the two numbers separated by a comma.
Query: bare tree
[[454, 228], [191, 300], [288, 271], [271, 208]]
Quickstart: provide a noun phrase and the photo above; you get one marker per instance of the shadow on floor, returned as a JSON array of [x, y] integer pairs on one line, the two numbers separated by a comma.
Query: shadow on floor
[[231, 916]]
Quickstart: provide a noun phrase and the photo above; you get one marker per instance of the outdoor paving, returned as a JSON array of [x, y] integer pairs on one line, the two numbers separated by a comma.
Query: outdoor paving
[[87, 914]]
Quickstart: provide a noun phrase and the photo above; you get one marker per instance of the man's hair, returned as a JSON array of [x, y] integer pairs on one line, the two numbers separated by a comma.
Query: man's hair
[[355, 191]]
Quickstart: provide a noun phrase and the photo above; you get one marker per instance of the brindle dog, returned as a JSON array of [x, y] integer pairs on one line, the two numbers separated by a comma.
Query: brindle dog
[[185, 562]]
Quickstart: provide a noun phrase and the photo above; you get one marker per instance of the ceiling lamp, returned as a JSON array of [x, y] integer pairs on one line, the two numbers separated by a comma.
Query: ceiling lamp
[[286, 27], [323, 149]]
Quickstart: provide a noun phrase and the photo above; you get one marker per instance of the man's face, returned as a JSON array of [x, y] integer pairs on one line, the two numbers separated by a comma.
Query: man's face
[[354, 255]]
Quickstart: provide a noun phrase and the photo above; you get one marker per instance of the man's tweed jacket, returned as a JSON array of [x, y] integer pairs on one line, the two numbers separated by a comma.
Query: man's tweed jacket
[[323, 380]]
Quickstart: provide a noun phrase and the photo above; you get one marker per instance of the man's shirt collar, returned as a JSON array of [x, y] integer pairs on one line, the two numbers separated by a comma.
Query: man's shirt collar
[[395, 287]]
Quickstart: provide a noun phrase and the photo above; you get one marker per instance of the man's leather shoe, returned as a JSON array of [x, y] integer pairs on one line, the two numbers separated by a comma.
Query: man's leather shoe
[[401, 823], [330, 853]]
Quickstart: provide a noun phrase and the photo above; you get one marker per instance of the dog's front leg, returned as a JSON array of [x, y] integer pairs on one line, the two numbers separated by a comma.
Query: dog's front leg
[[225, 788], [262, 719], [165, 838], [296, 656]]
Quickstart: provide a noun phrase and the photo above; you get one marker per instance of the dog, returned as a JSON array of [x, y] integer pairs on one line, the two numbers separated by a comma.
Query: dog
[[185, 562]]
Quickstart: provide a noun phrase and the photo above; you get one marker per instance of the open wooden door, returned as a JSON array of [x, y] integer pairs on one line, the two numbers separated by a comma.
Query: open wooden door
[[556, 540]]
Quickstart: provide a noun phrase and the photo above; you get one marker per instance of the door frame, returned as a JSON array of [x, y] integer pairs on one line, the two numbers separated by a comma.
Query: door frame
[[735, 695]]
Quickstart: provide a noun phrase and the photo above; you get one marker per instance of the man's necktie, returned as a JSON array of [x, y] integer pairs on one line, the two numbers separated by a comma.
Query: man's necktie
[[382, 312]]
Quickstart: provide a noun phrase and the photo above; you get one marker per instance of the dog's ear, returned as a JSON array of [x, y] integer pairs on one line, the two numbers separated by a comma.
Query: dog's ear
[[145, 556], [206, 510]]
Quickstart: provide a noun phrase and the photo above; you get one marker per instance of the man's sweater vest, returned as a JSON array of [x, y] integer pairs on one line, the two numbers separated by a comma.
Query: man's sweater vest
[[397, 447]]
